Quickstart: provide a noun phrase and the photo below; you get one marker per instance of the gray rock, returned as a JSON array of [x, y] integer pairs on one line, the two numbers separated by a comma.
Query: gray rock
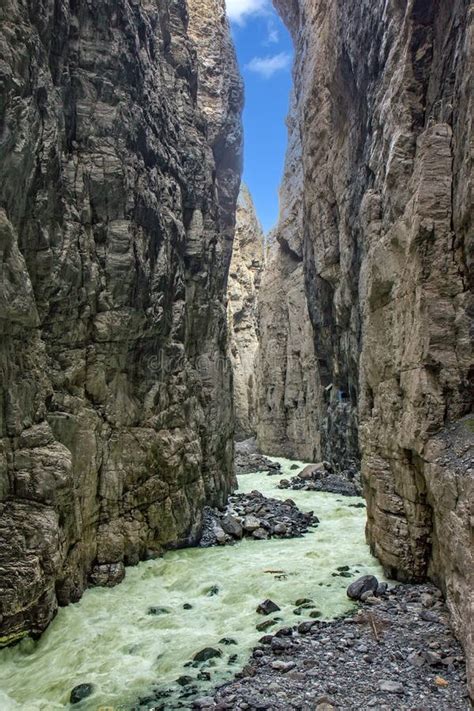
[[80, 692], [207, 653], [391, 687], [232, 526], [115, 376], [251, 523], [366, 583], [267, 607]]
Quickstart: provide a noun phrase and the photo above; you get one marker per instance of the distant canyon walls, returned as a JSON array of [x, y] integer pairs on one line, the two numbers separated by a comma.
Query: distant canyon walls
[[120, 154], [383, 111], [289, 411], [242, 293]]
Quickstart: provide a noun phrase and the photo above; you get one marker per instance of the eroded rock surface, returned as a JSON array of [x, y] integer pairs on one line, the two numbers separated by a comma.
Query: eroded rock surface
[[242, 292], [383, 109], [289, 393], [119, 170]]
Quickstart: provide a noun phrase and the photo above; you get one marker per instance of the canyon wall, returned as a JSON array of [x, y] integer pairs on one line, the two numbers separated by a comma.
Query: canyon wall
[[289, 393], [384, 112], [242, 293], [120, 154]]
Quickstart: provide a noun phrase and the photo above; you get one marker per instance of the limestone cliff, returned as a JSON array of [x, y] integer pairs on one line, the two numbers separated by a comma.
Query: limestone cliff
[[242, 293], [120, 148], [383, 108], [288, 409]]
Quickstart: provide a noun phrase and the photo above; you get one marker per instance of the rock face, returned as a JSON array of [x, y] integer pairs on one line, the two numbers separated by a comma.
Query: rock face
[[289, 392], [119, 171], [242, 292], [383, 109]]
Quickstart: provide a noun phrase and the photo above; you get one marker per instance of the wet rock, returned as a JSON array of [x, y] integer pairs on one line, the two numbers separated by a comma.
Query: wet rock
[[80, 692], [187, 606], [232, 526], [256, 516], [107, 575], [214, 590], [207, 653], [247, 460], [320, 477], [303, 601], [265, 625], [155, 611], [227, 641], [184, 680], [267, 607], [366, 583], [204, 676]]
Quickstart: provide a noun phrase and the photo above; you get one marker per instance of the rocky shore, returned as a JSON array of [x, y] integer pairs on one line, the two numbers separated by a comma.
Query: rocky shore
[[254, 516], [322, 477], [248, 459], [396, 652]]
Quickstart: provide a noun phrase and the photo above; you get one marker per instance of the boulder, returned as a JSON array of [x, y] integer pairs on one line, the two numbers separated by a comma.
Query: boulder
[[207, 653], [80, 692], [267, 607], [232, 526], [363, 584]]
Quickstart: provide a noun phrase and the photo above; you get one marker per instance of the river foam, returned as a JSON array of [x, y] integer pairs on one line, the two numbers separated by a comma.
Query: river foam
[[109, 638]]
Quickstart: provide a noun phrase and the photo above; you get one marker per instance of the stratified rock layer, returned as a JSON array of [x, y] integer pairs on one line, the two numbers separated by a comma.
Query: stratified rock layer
[[289, 415], [119, 172], [242, 292], [383, 107]]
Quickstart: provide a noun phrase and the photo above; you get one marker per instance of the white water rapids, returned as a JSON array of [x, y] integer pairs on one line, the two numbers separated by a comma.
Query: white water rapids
[[109, 639]]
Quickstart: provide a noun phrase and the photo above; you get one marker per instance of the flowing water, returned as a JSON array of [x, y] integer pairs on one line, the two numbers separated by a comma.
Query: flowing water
[[109, 638]]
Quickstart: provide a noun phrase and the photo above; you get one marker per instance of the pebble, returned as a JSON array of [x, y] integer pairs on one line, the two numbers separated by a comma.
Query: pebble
[[342, 663]]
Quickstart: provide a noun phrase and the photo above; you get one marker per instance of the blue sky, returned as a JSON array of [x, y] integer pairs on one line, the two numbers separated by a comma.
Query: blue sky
[[265, 51]]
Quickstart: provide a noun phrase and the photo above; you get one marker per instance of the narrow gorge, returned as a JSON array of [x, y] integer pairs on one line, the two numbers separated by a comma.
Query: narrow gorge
[[225, 427]]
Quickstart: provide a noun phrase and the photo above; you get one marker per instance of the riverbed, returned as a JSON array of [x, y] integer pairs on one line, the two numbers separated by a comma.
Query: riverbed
[[199, 597]]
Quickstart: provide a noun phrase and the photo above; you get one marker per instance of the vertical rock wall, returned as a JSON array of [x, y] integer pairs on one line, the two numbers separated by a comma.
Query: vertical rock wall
[[289, 393], [119, 171], [242, 294], [384, 112]]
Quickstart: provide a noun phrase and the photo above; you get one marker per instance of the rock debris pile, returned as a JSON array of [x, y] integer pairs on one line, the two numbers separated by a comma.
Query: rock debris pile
[[254, 516], [396, 652], [249, 460], [322, 477]]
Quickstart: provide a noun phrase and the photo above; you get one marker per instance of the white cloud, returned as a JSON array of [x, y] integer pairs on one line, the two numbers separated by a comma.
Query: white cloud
[[239, 10], [273, 36], [268, 66]]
